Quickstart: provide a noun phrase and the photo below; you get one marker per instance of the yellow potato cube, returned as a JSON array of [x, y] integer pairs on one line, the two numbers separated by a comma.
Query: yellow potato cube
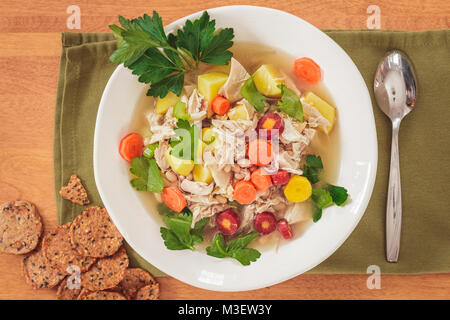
[[326, 110], [266, 79], [238, 112], [210, 83], [163, 104], [202, 174], [180, 166], [298, 189]]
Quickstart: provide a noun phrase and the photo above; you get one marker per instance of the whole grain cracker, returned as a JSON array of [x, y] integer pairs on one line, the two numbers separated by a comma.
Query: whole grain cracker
[[75, 191], [67, 292], [150, 292], [133, 280], [100, 295], [106, 273], [94, 234], [61, 254], [20, 227], [38, 272]]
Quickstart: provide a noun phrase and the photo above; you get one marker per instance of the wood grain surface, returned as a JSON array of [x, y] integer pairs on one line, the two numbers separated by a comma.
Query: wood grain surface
[[29, 57]]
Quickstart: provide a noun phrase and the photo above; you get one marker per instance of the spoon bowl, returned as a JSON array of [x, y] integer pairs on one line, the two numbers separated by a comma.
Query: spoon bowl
[[395, 89]]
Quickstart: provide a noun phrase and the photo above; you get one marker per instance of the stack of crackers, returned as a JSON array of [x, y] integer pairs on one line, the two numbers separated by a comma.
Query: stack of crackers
[[85, 258]]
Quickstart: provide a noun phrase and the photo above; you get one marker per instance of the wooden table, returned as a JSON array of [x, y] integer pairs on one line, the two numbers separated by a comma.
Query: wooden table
[[29, 58]]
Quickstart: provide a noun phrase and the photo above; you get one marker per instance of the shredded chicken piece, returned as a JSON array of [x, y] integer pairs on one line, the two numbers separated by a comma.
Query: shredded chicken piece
[[195, 107], [236, 79], [201, 210], [198, 188], [160, 157], [314, 117], [298, 212]]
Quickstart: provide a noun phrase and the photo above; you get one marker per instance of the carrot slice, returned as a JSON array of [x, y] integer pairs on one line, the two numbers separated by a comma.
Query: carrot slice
[[260, 179], [307, 70], [220, 105], [173, 198], [131, 146], [260, 152], [244, 192]]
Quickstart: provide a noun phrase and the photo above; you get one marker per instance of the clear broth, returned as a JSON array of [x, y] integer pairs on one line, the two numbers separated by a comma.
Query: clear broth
[[251, 56]]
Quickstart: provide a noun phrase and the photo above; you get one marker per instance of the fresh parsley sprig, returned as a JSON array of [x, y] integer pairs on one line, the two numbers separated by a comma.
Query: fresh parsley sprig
[[235, 249], [148, 177], [163, 60], [178, 235]]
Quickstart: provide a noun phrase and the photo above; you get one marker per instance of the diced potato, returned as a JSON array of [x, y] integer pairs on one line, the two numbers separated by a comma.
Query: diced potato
[[180, 166], [298, 189], [238, 112], [202, 174], [327, 111], [163, 104], [266, 79], [210, 83]]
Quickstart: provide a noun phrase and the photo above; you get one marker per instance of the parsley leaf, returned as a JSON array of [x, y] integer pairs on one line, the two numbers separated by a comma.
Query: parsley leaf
[[290, 103], [253, 96], [148, 175], [199, 40], [179, 235], [339, 194], [162, 60], [234, 249], [321, 198]]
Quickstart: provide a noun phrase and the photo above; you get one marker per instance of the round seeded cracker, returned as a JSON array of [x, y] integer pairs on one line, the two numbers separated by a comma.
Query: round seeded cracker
[[133, 280], [20, 227], [100, 295], [61, 254], [38, 272], [93, 233], [106, 273], [150, 292]]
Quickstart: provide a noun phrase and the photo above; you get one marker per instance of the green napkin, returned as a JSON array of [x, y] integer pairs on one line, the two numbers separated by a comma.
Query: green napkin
[[424, 146]]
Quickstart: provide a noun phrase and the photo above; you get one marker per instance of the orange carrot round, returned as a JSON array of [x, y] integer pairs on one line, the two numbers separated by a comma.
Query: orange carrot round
[[260, 179], [220, 105], [173, 198], [307, 70], [244, 192], [260, 152], [131, 146]]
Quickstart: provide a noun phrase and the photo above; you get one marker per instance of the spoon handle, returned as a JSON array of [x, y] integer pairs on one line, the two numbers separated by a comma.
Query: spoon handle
[[394, 201]]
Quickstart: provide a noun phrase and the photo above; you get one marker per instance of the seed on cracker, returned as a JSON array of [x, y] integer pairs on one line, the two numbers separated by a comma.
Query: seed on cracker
[[150, 292], [20, 227], [38, 272], [68, 290], [61, 254], [133, 280], [75, 191], [100, 295], [94, 234], [106, 273]]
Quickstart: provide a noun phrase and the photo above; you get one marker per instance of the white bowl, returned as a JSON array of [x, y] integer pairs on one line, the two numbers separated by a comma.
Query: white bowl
[[356, 172]]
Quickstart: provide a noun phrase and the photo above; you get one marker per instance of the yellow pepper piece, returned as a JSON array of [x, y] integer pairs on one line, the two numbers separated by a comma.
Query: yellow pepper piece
[[298, 189]]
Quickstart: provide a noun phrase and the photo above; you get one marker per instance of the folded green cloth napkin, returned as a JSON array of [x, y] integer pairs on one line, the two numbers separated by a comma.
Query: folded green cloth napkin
[[424, 146]]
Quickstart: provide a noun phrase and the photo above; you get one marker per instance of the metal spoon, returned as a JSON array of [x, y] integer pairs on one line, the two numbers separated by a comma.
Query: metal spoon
[[395, 88]]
